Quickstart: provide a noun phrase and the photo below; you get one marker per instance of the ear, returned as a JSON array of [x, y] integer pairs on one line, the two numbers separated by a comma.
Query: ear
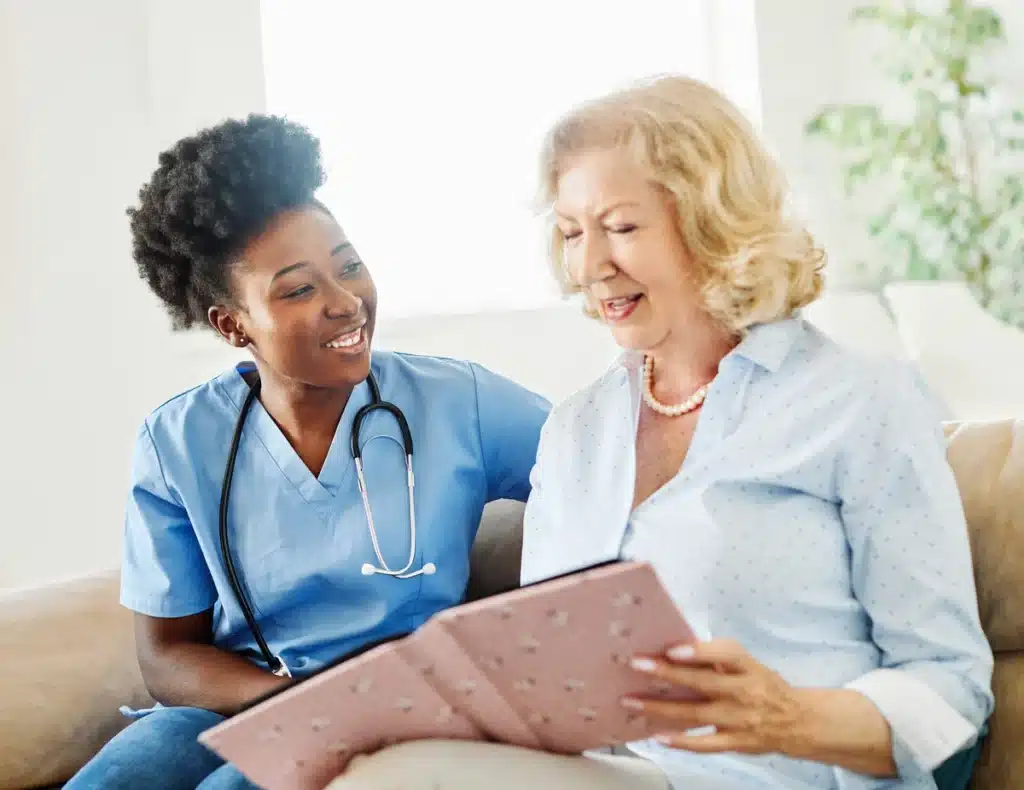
[[227, 325]]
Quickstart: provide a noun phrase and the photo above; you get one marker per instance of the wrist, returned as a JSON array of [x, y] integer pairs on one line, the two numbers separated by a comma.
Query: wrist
[[840, 727], [809, 732]]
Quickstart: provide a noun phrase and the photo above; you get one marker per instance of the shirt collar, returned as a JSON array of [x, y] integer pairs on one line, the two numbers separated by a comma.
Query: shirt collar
[[631, 360], [766, 345]]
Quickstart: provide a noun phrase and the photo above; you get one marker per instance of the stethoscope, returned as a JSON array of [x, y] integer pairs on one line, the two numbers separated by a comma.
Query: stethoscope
[[277, 666]]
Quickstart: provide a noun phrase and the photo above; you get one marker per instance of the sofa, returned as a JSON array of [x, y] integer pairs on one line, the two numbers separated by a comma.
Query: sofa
[[68, 661]]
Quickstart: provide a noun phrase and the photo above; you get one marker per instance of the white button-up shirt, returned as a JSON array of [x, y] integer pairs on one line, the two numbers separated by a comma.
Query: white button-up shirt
[[815, 520]]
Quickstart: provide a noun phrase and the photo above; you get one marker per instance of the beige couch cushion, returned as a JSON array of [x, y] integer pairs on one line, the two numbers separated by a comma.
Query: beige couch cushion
[[68, 662], [1001, 766], [988, 460]]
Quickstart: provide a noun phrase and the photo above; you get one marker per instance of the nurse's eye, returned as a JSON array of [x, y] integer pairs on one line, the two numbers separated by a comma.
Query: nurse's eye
[[623, 229], [302, 290]]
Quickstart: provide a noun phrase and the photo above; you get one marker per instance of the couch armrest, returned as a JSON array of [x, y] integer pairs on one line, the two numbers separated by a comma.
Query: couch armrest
[[68, 657]]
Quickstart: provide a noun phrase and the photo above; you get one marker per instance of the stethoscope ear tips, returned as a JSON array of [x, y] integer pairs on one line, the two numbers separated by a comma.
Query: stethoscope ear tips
[[429, 569], [368, 569]]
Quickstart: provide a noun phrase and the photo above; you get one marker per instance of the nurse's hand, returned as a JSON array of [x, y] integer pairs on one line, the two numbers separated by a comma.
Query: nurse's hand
[[753, 710], [182, 668]]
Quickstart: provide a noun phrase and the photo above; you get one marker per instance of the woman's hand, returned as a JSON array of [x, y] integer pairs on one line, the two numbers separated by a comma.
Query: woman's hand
[[755, 711]]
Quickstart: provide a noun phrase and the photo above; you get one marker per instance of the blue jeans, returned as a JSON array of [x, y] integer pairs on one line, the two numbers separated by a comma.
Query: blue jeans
[[160, 750]]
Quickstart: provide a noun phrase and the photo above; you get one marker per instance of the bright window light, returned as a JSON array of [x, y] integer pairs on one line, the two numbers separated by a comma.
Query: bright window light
[[431, 116]]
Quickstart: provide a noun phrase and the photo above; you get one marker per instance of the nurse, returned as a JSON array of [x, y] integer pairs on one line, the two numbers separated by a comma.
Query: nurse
[[228, 233]]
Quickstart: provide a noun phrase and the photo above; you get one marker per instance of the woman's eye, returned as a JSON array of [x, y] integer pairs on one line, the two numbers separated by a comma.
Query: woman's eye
[[569, 235], [623, 229], [351, 268], [302, 290]]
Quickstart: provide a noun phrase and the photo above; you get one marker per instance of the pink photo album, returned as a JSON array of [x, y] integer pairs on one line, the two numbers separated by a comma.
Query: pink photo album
[[542, 667]]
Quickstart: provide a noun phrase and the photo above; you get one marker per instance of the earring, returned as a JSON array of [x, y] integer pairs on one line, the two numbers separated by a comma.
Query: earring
[[243, 341]]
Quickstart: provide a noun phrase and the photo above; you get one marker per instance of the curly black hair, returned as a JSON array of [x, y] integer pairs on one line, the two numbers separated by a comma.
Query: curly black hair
[[210, 196]]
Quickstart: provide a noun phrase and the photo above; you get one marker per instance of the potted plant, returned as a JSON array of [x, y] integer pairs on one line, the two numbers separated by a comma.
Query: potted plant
[[944, 164]]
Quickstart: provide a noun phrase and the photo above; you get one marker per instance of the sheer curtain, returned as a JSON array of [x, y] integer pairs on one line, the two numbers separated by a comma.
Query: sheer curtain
[[431, 116]]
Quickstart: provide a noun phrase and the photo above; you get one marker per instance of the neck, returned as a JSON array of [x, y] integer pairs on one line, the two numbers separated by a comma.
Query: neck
[[302, 411], [689, 359]]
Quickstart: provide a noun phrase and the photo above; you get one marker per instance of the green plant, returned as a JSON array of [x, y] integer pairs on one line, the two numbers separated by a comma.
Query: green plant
[[945, 162]]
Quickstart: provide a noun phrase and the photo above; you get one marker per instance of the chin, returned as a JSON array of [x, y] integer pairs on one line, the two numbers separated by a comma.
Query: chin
[[640, 339], [357, 369], [344, 372]]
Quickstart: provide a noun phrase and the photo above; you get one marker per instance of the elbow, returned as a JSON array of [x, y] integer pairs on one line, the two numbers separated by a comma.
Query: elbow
[[156, 672], [935, 707], [956, 666], [924, 730], [163, 649], [964, 683]]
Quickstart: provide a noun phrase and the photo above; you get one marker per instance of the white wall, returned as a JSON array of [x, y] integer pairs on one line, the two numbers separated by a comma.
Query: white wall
[[810, 56], [90, 93]]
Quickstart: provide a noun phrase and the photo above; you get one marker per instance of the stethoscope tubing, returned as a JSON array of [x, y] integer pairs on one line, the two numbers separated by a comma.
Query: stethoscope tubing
[[275, 663]]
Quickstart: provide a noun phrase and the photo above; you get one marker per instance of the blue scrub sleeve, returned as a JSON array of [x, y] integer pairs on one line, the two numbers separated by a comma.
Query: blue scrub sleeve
[[164, 573], [510, 418]]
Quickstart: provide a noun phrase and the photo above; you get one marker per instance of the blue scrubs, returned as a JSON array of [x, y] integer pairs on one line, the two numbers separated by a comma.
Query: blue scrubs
[[298, 540]]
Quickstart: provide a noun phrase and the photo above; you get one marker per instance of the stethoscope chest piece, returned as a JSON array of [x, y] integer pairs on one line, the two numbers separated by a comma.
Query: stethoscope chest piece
[[378, 404]]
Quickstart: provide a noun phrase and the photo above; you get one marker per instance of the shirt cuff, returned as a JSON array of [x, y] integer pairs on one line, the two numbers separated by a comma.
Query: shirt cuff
[[926, 730]]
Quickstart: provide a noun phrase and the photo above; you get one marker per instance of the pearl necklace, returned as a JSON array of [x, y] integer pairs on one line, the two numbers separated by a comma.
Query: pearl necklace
[[690, 404]]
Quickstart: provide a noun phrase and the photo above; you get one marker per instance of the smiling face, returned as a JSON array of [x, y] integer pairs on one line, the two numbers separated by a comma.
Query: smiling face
[[305, 302], [623, 248]]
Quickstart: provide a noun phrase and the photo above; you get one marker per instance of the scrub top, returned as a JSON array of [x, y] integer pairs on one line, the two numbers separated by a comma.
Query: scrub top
[[299, 541]]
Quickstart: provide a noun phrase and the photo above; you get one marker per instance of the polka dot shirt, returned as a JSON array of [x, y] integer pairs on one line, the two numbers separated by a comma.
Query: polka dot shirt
[[815, 520]]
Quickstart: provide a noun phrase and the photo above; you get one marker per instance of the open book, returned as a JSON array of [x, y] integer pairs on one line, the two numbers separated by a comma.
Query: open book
[[542, 667]]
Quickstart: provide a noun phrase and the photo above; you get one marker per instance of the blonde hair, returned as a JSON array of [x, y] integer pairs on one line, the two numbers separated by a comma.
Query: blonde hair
[[755, 263]]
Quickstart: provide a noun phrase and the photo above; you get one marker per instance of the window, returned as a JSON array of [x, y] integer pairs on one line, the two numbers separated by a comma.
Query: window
[[431, 116]]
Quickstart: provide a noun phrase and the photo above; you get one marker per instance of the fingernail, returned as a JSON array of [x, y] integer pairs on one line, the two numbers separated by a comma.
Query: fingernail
[[681, 652], [664, 739], [643, 665], [631, 703]]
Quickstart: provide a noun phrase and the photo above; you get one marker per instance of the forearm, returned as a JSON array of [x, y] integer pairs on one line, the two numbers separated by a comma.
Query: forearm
[[204, 676], [843, 728]]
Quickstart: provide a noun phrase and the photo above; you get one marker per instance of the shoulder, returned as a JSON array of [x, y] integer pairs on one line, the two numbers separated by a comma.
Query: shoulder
[[859, 400], [436, 383], [401, 363], [871, 383], [196, 410], [445, 377], [818, 371], [440, 376]]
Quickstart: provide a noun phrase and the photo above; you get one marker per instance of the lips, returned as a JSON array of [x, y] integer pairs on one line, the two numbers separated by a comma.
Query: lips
[[349, 338], [619, 308]]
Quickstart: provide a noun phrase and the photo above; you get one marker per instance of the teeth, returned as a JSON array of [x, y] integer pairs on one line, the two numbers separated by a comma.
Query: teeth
[[618, 304], [347, 341]]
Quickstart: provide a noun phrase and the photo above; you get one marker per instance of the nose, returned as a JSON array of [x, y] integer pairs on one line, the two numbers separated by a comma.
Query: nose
[[341, 302], [592, 261]]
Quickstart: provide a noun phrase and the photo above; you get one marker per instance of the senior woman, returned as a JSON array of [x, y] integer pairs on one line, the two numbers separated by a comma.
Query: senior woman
[[793, 497]]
